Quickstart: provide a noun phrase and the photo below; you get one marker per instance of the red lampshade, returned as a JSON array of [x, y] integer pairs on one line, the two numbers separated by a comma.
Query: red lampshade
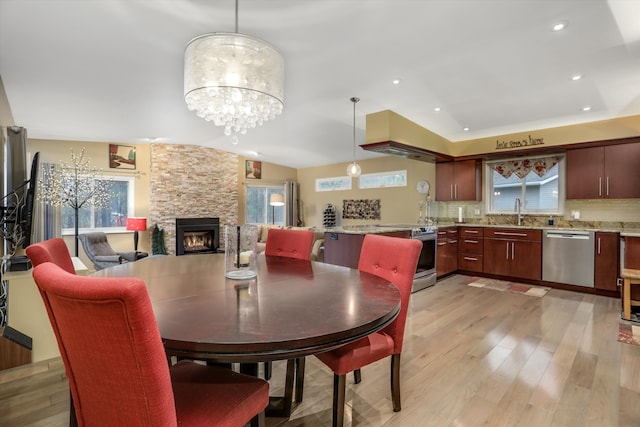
[[136, 224]]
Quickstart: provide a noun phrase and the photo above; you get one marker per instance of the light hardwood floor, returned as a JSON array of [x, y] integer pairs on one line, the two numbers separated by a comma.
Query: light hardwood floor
[[471, 357]]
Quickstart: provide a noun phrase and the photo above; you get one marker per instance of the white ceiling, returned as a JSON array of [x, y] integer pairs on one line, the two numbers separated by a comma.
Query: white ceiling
[[111, 70]]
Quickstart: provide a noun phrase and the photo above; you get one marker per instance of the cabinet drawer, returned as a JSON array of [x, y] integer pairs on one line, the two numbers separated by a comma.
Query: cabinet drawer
[[470, 262], [513, 234], [470, 245], [471, 231]]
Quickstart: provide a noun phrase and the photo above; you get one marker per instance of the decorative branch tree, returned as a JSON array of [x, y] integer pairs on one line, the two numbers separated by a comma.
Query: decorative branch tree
[[76, 185]]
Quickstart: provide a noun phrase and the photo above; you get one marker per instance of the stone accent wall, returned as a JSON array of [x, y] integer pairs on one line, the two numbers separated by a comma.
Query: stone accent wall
[[189, 181]]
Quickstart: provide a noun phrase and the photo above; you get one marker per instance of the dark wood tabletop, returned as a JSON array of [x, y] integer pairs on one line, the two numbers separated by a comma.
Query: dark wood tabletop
[[293, 308]]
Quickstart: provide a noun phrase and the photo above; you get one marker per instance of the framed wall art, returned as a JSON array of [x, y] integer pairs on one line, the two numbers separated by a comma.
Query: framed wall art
[[253, 169], [122, 156]]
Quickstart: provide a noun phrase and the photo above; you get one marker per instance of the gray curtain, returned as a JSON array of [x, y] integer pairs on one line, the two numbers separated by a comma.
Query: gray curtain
[[291, 203]]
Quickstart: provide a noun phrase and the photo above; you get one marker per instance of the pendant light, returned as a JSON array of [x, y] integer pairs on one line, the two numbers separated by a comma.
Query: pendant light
[[354, 170], [233, 80]]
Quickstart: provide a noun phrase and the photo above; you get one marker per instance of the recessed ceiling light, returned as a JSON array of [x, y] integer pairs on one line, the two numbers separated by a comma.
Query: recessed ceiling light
[[465, 129], [576, 77], [559, 26], [396, 81], [586, 108], [436, 109]]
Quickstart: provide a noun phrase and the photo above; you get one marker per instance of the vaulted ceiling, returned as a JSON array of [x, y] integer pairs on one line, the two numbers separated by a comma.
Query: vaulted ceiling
[[112, 71]]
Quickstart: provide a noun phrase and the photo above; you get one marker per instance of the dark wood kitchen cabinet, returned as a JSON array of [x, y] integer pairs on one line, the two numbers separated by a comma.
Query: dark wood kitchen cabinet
[[513, 252], [470, 248], [446, 251], [458, 180], [607, 172], [344, 248], [607, 261]]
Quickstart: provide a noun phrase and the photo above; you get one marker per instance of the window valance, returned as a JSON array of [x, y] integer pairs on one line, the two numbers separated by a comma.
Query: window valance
[[522, 167]]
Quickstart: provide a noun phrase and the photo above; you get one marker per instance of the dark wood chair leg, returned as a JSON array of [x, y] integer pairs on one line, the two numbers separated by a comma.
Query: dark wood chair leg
[[73, 420], [267, 370], [357, 376], [339, 385], [258, 420], [395, 382], [300, 365]]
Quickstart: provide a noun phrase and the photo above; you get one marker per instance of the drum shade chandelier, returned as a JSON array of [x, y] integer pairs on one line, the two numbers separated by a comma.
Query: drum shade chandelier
[[353, 170], [233, 80]]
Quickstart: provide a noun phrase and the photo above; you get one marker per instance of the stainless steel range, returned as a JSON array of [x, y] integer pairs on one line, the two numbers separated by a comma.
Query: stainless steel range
[[426, 271]]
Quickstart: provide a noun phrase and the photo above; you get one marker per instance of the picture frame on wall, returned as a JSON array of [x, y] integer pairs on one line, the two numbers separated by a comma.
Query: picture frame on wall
[[122, 156], [253, 169]]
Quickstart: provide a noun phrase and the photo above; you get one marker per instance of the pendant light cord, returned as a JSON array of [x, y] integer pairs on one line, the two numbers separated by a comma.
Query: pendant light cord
[[236, 16], [354, 100]]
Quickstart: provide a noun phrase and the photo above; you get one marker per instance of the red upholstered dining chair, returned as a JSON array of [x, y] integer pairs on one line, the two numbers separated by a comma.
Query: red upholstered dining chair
[[53, 250], [289, 243], [394, 259], [96, 318]]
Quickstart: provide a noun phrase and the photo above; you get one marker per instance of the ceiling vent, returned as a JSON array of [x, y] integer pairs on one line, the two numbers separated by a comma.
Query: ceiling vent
[[393, 148]]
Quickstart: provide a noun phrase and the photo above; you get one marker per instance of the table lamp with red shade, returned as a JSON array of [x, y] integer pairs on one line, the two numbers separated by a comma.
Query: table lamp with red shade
[[136, 224]]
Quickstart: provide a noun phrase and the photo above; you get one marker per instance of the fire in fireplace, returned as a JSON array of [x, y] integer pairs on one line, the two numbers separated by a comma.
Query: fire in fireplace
[[197, 235]]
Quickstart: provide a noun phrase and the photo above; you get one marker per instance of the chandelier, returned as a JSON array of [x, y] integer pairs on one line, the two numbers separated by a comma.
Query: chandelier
[[353, 170], [233, 80]]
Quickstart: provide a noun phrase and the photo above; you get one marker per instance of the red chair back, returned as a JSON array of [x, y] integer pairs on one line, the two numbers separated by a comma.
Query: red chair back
[[394, 259], [53, 250], [111, 348], [290, 243]]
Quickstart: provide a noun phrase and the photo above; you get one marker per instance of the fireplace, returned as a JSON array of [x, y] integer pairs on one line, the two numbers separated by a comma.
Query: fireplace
[[197, 235]]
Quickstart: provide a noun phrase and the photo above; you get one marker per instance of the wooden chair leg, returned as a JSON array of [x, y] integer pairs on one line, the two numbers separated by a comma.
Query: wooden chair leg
[[258, 420], [267, 370], [300, 365], [395, 382], [339, 385], [73, 420], [357, 376]]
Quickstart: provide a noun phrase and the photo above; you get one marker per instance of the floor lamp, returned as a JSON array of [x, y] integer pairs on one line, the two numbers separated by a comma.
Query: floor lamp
[[136, 224], [276, 200]]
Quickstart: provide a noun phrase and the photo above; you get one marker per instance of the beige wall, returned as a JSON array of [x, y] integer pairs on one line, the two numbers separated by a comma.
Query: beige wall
[[399, 205], [272, 174], [6, 116], [52, 151]]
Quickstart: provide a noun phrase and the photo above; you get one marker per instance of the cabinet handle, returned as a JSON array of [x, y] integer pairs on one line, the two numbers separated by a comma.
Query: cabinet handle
[[471, 231], [600, 186], [442, 244], [607, 186], [455, 192], [507, 250], [468, 258], [453, 241], [470, 241], [453, 231], [513, 248], [598, 245], [451, 191], [503, 233]]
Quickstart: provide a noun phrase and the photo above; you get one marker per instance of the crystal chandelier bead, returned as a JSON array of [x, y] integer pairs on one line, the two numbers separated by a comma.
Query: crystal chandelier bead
[[234, 80]]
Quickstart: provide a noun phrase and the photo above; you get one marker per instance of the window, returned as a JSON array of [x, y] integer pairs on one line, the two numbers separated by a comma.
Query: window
[[114, 217], [537, 181], [257, 208]]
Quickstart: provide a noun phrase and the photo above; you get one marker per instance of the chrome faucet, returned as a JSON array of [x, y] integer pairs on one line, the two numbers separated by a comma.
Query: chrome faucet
[[518, 209]]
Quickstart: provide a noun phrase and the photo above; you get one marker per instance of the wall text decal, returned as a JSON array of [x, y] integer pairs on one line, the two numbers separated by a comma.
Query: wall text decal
[[527, 142]]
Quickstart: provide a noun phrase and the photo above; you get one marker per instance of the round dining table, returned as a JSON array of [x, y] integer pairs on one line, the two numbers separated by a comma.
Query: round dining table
[[292, 308]]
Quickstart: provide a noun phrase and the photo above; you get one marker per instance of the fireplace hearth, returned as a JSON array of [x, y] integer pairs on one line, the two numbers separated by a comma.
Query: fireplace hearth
[[197, 235]]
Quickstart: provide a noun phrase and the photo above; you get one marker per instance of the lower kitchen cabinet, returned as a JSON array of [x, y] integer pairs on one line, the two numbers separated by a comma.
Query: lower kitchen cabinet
[[446, 251], [607, 261], [513, 252], [470, 249]]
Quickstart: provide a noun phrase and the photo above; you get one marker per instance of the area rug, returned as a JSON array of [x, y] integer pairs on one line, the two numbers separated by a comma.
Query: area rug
[[505, 286], [629, 334]]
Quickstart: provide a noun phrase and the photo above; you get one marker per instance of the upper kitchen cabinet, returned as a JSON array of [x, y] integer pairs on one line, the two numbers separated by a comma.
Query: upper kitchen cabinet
[[608, 172], [458, 181]]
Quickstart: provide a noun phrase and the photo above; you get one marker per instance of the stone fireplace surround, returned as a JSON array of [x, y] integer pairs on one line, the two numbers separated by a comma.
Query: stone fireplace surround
[[189, 181]]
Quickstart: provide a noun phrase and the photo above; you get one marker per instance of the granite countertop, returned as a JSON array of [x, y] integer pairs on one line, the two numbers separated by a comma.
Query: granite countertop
[[368, 229]]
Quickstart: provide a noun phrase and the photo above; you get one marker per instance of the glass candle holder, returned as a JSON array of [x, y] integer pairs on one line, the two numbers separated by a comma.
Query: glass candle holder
[[240, 251]]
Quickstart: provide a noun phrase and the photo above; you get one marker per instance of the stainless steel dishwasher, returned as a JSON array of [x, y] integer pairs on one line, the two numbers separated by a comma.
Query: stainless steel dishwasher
[[568, 257]]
